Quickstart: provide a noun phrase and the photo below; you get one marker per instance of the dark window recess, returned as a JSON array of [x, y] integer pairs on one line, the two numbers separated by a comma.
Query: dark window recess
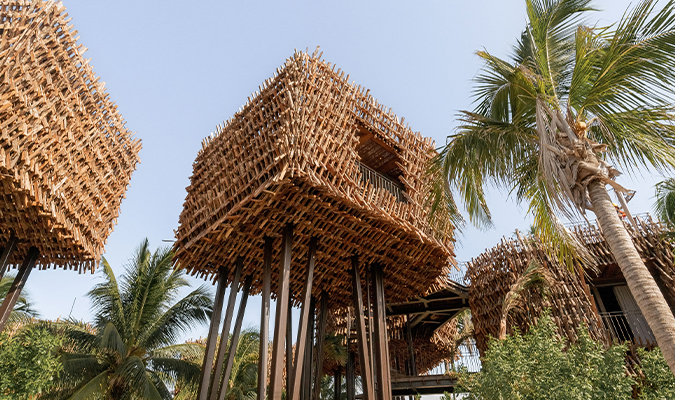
[[378, 165], [613, 317]]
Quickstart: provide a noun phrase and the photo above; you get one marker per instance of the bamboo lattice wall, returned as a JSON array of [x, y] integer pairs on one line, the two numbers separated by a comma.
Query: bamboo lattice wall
[[289, 156], [493, 272], [66, 157]]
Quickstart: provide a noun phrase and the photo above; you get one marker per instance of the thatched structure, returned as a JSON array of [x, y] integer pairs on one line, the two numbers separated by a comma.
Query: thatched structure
[[314, 172], [313, 150], [573, 299], [66, 157]]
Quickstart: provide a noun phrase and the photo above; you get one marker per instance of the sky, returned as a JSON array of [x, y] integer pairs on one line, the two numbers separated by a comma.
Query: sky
[[176, 69]]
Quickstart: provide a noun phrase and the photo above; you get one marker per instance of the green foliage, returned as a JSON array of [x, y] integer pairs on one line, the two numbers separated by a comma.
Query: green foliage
[[664, 206], [659, 382], [613, 84], [540, 365], [28, 363], [23, 310], [130, 353]]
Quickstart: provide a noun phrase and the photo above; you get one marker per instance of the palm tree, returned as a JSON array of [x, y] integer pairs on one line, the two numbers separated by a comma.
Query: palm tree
[[534, 276], [457, 332], [24, 310], [665, 205], [130, 351], [244, 376], [571, 99]]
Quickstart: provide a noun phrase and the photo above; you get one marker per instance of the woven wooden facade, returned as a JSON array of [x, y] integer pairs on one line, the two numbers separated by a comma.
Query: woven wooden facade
[[315, 151], [66, 157], [570, 300]]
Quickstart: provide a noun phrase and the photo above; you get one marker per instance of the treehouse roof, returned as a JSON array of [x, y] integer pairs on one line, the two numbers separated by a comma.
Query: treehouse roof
[[66, 157], [312, 150]]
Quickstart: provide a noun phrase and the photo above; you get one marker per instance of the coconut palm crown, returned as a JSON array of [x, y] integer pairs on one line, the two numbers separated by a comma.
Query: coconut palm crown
[[555, 121], [130, 351]]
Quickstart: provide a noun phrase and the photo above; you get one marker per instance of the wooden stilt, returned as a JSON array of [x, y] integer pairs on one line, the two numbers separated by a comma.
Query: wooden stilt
[[411, 349], [207, 365], [235, 338], [380, 343], [289, 346], [320, 336], [265, 319], [280, 319], [337, 384], [350, 374], [301, 342], [225, 332], [364, 355], [17, 286], [6, 252], [369, 317], [309, 354]]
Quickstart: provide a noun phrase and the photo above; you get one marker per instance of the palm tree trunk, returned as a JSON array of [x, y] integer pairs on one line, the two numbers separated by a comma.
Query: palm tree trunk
[[640, 282]]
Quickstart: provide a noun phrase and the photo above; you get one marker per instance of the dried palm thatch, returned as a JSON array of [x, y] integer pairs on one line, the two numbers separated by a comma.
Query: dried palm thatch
[[66, 157], [295, 154], [494, 273]]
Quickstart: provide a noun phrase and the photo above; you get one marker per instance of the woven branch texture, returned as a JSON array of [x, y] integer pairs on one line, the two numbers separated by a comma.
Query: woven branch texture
[[291, 155], [66, 157], [493, 273]]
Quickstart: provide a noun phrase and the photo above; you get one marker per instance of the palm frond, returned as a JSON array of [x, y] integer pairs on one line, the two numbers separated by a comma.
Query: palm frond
[[106, 300], [134, 377], [111, 340], [94, 389], [664, 207], [534, 276], [178, 370], [195, 308]]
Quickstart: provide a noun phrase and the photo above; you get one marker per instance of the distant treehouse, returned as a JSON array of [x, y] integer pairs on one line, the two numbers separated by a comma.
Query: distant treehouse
[[313, 170]]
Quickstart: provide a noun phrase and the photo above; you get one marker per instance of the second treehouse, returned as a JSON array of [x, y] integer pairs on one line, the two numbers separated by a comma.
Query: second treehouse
[[308, 189]]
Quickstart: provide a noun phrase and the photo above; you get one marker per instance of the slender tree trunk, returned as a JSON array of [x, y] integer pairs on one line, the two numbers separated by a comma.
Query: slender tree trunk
[[640, 282]]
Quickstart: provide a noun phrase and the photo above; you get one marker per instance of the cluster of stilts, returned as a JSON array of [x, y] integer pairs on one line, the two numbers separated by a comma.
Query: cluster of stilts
[[304, 368]]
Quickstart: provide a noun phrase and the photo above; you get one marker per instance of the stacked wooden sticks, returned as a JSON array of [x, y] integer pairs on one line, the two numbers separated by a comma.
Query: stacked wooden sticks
[[492, 273], [66, 157], [289, 156], [289, 162]]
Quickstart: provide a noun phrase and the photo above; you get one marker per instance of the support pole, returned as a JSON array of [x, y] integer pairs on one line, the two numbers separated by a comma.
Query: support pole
[[364, 356], [222, 349], [381, 343], [280, 319], [289, 346], [235, 338], [320, 336], [265, 319], [411, 349], [301, 342], [207, 365], [17, 286], [309, 354], [337, 384], [350, 374], [369, 316], [6, 253]]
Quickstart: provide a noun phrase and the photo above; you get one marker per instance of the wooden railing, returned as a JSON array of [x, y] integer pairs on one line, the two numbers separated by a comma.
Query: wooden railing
[[369, 175]]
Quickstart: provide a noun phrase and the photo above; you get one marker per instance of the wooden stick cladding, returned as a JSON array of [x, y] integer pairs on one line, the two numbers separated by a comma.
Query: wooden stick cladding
[[66, 157], [493, 273], [312, 150]]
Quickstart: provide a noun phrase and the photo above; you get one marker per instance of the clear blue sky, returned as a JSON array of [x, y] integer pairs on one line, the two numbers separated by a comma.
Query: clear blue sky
[[177, 69]]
